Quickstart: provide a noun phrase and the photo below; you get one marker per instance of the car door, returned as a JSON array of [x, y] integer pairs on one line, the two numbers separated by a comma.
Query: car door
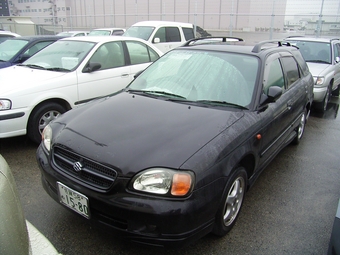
[[119, 61], [279, 115], [113, 75]]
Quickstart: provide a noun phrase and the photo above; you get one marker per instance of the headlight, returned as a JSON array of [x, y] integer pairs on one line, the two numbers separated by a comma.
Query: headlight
[[164, 182], [5, 104], [318, 81], [47, 137]]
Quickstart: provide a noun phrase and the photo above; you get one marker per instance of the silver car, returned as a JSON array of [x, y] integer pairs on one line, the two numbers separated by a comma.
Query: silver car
[[17, 235], [323, 59]]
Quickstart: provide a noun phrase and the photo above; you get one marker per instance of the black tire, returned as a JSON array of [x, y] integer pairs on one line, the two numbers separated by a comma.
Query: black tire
[[301, 128], [231, 202], [40, 117]]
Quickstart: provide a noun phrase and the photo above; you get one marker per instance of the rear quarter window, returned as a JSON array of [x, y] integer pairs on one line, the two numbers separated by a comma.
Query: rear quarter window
[[302, 62], [291, 69], [188, 33]]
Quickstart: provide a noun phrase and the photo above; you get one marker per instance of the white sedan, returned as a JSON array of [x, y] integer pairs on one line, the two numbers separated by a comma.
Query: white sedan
[[69, 72]]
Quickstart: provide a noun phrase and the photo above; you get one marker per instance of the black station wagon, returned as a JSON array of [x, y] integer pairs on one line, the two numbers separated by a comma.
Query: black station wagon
[[169, 159]]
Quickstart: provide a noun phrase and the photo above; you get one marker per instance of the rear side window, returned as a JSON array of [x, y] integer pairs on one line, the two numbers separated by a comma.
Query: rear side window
[[188, 33], [302, 62], [291, 69], [140, 53]]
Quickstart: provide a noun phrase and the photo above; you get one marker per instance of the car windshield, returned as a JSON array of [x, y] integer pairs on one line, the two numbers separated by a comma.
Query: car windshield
[[62, 55], [319, 52], [229, 79], [139, 32], [9, 48], [100, 32]]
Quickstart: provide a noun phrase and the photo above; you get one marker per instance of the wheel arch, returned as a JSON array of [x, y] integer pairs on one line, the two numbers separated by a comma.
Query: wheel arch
[[59, 101], [248, 162]]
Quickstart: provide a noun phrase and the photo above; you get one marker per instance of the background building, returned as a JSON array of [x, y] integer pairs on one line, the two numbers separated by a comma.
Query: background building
[[232, 15]]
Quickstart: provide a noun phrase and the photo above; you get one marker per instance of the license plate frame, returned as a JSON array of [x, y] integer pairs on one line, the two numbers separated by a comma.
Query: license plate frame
[[74, 200]]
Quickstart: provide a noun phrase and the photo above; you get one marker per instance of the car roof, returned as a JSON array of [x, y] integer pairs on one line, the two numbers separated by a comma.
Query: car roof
[[99, 38], [311, 39], [104, 39], [261, 48], [9, 33], [109, 28], [162, 23], [37, 37], [80, 31]]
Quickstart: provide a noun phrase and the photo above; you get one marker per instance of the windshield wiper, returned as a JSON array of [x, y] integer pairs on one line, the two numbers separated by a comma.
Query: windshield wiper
[[33, 66], [156, 92], [216, 102], [318, 61], [57, 69]]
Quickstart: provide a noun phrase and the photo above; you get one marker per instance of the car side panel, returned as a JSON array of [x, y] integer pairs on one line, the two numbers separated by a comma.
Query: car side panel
[[102, 82]]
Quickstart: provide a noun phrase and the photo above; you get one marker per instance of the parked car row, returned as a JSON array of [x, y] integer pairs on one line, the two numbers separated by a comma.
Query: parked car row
[[169, 158]]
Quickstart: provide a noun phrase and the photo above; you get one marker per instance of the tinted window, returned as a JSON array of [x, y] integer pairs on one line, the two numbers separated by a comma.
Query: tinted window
[[188, 33], [291, 69], [173, 34], [273, 75], [35, 48], [301, 62], [168, 34], [336, 50], [140, 53]]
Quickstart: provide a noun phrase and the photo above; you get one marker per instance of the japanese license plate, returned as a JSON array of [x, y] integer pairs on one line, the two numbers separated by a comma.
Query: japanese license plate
[[74, 200]]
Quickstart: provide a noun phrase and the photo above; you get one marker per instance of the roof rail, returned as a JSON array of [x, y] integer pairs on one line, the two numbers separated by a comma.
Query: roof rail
[[258, 47], [212, 39]]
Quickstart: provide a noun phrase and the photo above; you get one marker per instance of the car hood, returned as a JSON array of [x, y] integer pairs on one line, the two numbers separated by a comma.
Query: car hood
[[317, 69], [19, 77], [5, 64], [132, 132]]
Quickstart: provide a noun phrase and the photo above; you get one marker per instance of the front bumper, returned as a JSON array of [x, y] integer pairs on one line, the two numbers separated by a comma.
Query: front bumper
[[319, 93], [13, 123], [144, 219]]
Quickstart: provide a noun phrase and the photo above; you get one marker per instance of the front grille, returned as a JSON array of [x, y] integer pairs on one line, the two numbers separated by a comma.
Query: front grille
[[92, 173]]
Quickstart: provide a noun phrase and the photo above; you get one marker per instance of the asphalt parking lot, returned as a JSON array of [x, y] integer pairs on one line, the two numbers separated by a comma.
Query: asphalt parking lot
[[289, 210]]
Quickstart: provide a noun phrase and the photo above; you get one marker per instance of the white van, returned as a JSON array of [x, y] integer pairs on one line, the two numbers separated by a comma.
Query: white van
[[165, 35]]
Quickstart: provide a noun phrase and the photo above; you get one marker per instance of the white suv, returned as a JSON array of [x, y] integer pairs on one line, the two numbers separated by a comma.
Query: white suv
[[323, 59], [165, 35]]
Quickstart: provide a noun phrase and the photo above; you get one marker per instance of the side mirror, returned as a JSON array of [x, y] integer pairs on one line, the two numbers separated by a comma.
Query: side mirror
[[337, 59], [23, 58], [156, 40], [274, 93], [137, 74], [91, 67]]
